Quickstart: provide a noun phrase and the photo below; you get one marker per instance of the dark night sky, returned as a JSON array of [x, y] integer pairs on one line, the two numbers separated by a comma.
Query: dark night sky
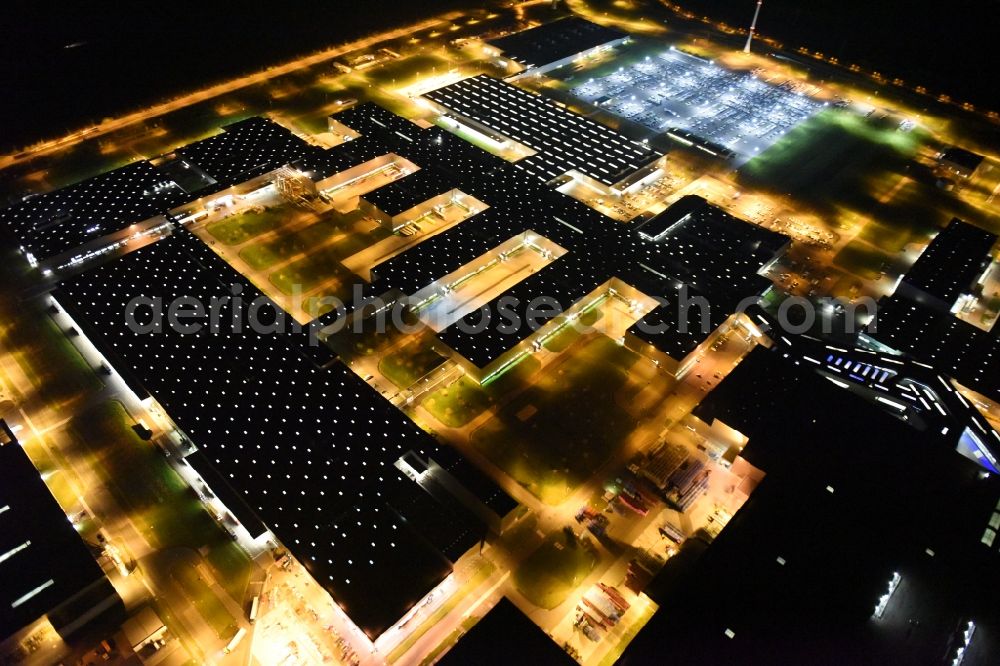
[[158, 47], [948, 46]]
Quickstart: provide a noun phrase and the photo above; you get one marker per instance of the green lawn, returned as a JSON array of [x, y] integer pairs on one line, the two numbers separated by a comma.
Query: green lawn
[[463, 400], [563, 339], [459, 403], [82, 161], [514, 377], [554, 570], [56, 478], [241, 228], [321, 264], [350, 344], [228, 560], [315, 123], [886, 237], [831, 159], [264, 255], [261, 256], [452, 638], [209, 606], [409, 363], [317, 307], [559, 431], [48, 357], [862, 260], [309, 272], [915, 212], [163, 508]]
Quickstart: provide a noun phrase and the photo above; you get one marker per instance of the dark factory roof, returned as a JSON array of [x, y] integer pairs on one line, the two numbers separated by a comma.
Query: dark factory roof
[[503, 636], [306, 444], [694, 218], [411, 190], [800, 568], [678, 327], [952, 262], [437, 256], [716, 254], [964, 158], [564, 141], [554, 41], [43, 560], [953, 346], [482, 487], [56, 222], [658, 226], [722, 273], [245, 150], [547, 292], [381, 554], [916, 319]]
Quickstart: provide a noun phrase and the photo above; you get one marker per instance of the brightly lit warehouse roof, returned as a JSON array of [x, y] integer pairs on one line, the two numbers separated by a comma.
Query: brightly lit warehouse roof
[[564, 141]]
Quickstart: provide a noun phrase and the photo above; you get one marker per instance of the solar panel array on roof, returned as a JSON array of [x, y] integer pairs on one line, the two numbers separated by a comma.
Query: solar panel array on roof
[[56, 222], [554, 41], [563, 140], [309, 449]]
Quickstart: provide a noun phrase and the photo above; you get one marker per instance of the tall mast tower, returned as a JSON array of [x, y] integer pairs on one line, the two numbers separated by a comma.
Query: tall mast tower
[[753, 26]]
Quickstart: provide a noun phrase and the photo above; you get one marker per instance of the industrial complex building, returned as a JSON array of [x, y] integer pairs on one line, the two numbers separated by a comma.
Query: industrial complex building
[[552, 45], [488, 642], [922, 568], [50, 576], [860, 459], [349, 480], [295, 445], [919, 317]]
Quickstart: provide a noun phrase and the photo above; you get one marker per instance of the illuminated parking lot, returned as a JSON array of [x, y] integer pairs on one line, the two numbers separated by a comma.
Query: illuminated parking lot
[[673, 90]]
